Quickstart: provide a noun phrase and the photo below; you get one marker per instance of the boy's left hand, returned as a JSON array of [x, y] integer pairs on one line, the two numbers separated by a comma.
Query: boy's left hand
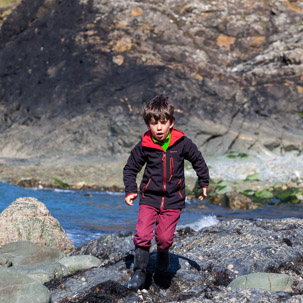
[[203, 194]]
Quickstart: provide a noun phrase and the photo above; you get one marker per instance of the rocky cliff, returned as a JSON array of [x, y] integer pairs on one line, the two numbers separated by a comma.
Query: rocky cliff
[[74, 75]]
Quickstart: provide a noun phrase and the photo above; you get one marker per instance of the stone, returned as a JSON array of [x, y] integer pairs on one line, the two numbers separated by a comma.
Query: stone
[[29, 219], [237, 201], [75, 263], [17, 287], [25, 253], [43, 272], [267, 281]]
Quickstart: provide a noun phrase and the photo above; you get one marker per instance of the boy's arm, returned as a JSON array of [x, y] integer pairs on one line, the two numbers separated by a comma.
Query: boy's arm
[[133, 166], [193, 155]]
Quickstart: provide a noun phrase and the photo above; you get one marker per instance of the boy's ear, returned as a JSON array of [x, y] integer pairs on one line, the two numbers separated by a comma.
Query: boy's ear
[[172, 123]]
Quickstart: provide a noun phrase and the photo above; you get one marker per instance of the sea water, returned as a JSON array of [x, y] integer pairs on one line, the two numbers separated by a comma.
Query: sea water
[[85, 215]]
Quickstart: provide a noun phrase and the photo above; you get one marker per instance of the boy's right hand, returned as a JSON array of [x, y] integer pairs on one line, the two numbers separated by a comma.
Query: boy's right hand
[[130, 198]]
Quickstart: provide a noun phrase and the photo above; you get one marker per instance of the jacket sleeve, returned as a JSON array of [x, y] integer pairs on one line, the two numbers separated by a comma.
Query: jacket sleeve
[[193, 155], [133, 166]]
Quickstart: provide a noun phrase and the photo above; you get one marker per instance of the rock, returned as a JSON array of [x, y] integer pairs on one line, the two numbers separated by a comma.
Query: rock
[[43, 272], [202, 265], [267, 281], [17, 287], [29, 219], [25, 253], [108, 248], [75, 263], [238, 201]]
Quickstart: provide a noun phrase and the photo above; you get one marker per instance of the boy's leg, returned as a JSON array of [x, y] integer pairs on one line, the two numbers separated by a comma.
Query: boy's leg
[[144, 233], [145, 225], [166, 226], [165, 229]]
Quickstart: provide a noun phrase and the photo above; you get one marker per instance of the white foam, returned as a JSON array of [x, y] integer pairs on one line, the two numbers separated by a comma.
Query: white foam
[[203, 222]]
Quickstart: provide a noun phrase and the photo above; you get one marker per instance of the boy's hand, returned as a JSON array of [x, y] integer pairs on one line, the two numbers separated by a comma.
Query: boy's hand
[[203, 194], [129, 199]]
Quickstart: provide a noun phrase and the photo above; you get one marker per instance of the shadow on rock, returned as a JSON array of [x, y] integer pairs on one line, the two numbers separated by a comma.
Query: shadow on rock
[[157, 279]]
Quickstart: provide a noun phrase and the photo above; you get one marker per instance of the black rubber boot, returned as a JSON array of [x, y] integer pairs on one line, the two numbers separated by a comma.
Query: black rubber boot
[[162, 260], [140, 265]]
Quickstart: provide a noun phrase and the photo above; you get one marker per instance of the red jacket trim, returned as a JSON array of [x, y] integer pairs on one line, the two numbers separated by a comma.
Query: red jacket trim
[[147, 140]]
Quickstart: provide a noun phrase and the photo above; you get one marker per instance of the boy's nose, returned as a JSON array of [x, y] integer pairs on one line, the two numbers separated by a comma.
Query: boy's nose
[[159, 125]]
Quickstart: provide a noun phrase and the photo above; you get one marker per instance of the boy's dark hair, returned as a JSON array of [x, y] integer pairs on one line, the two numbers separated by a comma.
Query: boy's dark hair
[[158, 108]]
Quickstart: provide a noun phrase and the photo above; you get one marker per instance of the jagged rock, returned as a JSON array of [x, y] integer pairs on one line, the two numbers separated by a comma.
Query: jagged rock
[[75, 263], [17, 287], [267, 281], [25, 253], [29, 219]]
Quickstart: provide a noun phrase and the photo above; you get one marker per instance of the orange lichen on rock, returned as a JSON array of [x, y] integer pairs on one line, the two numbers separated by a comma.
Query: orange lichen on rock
[[225, 41], [136, 12], [295, 6], [300, 89], [122, 45]]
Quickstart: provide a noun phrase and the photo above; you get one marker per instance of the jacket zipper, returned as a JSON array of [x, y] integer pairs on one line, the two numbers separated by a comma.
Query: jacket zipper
[[164, 181], [171, 166], [180, 184], [145, 188]]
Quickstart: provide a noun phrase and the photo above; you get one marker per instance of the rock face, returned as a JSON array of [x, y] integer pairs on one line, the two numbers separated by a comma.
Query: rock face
[[28, 219], [74, 75]]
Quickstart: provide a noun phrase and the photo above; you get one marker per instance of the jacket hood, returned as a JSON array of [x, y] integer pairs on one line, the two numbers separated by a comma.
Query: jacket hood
[[147, 140]]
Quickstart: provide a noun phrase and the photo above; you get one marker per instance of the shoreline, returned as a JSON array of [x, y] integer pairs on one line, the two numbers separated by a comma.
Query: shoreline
[[237, 171]]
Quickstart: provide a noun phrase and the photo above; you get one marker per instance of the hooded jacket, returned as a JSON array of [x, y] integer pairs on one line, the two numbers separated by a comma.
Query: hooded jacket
[[163, 185]]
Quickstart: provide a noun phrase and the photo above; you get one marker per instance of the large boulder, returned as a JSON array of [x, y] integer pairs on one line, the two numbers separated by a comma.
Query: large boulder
[[17, 287], [29, 219]]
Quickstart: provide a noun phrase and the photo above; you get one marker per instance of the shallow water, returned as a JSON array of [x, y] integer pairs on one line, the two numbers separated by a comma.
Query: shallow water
[[86, 215]]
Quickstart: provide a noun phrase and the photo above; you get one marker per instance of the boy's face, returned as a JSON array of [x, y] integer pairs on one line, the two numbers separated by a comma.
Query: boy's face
[[160, 129]]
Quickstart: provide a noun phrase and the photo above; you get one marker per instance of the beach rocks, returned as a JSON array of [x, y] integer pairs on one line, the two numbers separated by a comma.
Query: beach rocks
[[29, 219], [204, 266], [26, 266]]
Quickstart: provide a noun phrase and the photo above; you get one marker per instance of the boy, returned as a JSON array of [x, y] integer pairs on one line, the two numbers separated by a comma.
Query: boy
[[162, 190]]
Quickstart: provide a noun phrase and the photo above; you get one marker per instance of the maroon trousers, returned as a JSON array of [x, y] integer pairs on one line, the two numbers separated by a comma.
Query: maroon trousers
[[166, 221]]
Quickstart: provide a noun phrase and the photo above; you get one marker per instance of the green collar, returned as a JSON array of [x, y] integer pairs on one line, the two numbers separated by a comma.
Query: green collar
[[165, 143]]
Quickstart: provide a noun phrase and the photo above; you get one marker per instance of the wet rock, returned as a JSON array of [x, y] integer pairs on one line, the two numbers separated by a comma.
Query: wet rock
[[238, 201], [29, 219], [17, 287], [267, 281]]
